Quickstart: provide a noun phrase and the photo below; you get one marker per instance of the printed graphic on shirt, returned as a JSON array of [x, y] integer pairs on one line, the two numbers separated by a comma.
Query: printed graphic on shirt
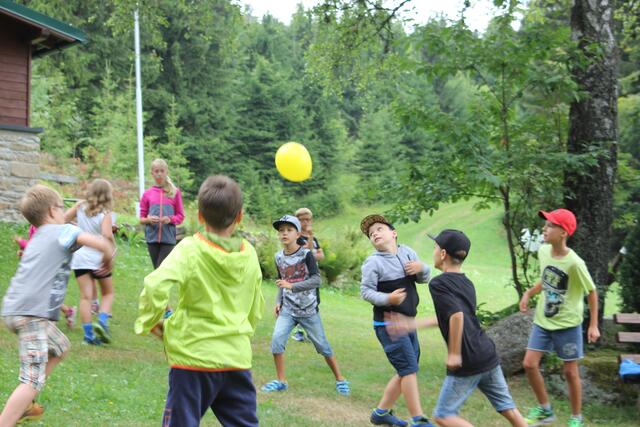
[[294, 268], [554, 285], [59, 288]]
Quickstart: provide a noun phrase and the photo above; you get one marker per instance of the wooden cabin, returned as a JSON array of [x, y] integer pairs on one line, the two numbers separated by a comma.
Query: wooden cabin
[[24, 35]]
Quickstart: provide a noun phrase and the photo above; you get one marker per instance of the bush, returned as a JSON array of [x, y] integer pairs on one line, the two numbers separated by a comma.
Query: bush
[[344, 256], [266, 246], [630, 272]]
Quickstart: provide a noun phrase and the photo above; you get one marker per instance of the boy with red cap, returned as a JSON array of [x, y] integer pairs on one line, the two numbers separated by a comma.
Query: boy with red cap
[[557, 325]]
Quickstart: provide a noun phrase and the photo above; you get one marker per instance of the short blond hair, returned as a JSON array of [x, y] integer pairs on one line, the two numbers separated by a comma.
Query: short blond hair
[[303, 211], [36, 203]]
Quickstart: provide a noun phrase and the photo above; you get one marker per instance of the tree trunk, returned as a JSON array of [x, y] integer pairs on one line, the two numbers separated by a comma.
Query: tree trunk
[[593, 124]]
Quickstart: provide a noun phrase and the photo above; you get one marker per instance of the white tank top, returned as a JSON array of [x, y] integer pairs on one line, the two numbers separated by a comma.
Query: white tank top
[[87, 258]]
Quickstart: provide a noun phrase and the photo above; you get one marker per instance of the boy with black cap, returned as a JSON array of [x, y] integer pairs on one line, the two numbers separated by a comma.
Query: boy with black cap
[[389, 279], [557, 324], [297, 303], [472, 361]]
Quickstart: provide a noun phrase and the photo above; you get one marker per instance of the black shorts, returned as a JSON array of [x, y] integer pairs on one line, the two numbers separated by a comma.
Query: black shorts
[[94, 275]]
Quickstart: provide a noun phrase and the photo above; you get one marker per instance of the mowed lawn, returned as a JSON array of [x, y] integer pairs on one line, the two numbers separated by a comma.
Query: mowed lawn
[[125, 384]]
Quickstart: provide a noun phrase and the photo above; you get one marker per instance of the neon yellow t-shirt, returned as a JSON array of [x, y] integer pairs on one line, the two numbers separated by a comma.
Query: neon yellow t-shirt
[[565, 282]]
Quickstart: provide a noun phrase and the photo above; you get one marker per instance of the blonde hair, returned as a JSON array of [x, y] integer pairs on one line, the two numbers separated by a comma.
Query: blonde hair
[[37, 201], [99, 197], [303, 211], [168, 186]]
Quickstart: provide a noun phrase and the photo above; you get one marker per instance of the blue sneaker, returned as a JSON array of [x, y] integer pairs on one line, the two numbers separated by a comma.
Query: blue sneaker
[[387, 419], [421, 422], [299, 336], [274, 385], [343, 387], [102, 331], [92, 340]]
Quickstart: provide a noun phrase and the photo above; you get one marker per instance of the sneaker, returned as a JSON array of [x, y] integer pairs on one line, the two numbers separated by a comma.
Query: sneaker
[[274, 385], [70, 315], [343, 388], [421, 422], [387, 419], [93, 340], [299, 336], [539, 416], [575, 422], [103, 332], [33, 413]]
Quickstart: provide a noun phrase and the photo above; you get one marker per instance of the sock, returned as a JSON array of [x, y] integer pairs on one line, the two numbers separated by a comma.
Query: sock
[[379, 411], [546, 406], [88, 330], [103, 318], [577, 417]]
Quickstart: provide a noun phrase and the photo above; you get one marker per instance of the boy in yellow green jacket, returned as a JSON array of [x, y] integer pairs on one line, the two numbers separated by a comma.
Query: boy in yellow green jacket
[[207, 338]]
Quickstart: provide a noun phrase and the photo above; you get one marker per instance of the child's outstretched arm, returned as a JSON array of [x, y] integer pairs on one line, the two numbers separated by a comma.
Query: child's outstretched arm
[[397, 324], [71, 213], [456, 326], [101, 244], [157, 288]]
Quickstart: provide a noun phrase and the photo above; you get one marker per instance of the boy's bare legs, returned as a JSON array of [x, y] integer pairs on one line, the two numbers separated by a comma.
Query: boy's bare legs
[[572, 376], [409, 386], [333, 364], [17, 403], [279, 361], [531, 366], [23, 395], [391, 393], [453, 421], [515, 417]]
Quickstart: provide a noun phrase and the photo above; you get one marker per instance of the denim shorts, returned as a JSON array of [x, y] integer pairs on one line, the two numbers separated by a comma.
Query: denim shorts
[[567, 343], [403, 352], [312, 326], [456, 390]]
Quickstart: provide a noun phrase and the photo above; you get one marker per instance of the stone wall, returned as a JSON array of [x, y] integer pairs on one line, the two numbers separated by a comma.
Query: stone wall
[[19, 170]]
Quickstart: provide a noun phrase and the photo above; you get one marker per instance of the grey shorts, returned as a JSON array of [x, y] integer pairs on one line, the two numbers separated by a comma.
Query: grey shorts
[[567, 343]]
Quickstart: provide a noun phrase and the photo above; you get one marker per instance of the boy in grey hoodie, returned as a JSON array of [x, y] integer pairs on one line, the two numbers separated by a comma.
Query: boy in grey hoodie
[[389, 279]]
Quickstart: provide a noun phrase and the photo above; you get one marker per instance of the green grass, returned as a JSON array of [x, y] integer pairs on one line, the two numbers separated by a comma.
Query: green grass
[[125, 384]]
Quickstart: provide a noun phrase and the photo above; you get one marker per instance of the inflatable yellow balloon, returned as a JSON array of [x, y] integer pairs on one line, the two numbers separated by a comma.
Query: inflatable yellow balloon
[[293, 162]]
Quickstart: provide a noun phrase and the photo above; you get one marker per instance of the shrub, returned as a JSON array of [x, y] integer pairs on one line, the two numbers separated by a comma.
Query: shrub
[[343, 256]]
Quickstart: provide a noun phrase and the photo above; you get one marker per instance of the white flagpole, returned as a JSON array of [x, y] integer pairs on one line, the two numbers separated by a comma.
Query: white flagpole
[[136, 36]]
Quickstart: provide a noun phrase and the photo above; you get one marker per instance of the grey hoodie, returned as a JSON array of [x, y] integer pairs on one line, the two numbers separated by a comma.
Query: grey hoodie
[[384, 266]]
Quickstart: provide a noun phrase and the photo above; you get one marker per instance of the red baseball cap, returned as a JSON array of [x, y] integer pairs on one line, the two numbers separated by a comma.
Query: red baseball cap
[[561, 217]]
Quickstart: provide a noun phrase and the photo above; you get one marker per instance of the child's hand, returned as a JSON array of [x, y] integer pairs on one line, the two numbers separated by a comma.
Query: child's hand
[[524, 303], [593, 334], [165, 220], [396, 297], [158, 330], [398, 325], [454, 362], [276, 310], [283, 284], [153, 219], [413, 267]]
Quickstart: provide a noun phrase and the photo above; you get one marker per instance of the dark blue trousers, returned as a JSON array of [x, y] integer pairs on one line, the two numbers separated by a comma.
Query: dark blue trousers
[[231, 396]]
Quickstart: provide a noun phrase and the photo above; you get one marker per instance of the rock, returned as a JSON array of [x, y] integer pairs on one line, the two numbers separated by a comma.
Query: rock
[[511, 335]]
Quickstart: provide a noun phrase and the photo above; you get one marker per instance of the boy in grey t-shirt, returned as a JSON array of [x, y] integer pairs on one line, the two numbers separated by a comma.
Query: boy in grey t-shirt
[[32, 302], [297, 303]]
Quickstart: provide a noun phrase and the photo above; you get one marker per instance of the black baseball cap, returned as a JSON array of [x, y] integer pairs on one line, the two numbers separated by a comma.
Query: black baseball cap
[[453, 241]]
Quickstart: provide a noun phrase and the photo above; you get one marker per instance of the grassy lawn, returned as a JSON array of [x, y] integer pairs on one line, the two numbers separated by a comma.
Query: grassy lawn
[[125, 384]]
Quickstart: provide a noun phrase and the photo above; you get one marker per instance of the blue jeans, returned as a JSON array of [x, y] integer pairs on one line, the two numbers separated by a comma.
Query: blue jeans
[[567, 343], [403, 352], [312, 326], [456, 390]]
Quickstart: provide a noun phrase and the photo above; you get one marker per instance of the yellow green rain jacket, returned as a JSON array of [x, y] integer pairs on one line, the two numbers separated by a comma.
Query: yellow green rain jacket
[[219, 303]]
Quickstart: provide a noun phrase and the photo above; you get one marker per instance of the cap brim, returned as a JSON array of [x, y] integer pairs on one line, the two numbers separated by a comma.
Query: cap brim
[[544, 214], [431, 236]]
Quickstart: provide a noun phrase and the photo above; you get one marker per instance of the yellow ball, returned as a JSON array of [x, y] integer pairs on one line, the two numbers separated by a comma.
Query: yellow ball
[[293, 162]]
